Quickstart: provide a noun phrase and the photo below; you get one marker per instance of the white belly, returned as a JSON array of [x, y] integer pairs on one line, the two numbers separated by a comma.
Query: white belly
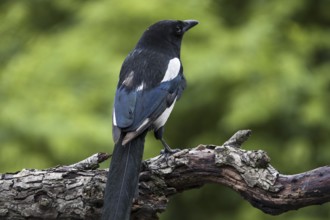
[[161, 120]]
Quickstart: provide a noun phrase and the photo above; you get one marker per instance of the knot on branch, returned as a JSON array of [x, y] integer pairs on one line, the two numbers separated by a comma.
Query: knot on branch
[[253, 166], [256, 159]]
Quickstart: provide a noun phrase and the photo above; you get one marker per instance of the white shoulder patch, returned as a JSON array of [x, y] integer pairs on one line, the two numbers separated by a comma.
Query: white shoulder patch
[[173, 69]]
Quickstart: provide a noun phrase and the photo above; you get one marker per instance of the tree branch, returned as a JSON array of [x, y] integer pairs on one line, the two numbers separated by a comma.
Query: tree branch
[[76, 191]]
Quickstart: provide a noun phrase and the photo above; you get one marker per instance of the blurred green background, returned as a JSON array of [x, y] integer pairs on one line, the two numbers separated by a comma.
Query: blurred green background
[[263, 65]]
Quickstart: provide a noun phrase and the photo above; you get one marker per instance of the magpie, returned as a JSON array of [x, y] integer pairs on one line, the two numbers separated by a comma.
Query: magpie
[[151, 80]]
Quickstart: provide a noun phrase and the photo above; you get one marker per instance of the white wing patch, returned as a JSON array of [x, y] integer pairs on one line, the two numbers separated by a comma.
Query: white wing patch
[[173, 69], [114, 121], [143, 124], [161, 120], [140, 87]]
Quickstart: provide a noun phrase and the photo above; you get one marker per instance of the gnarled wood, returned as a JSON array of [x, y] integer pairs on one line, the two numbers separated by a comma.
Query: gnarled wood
[[76, 191]]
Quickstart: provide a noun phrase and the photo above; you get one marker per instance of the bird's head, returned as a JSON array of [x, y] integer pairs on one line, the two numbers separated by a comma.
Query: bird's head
[[166, 33], [171, 28]]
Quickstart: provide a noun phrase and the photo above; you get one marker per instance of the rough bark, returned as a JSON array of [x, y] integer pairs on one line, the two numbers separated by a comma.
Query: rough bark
[[76, 191]]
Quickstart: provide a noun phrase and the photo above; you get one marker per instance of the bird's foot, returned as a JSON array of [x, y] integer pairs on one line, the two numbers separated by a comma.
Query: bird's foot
[[167, 150], [166, 153]]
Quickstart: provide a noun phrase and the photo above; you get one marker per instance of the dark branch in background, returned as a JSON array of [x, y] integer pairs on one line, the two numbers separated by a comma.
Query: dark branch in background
[[76, 191]]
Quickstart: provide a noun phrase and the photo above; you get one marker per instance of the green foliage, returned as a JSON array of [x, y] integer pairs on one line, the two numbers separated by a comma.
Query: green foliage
[[255, 64]]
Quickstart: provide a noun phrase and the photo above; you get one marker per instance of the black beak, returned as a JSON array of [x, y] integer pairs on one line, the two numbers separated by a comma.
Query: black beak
[[189, 24]]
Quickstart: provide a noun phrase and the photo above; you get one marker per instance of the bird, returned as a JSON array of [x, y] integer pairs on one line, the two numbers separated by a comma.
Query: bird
[[150, 82]]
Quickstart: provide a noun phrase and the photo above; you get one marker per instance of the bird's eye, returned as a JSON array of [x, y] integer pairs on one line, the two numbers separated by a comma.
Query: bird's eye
[[178, 29]]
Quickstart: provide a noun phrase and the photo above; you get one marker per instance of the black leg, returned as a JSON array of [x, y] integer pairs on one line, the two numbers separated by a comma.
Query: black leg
[[167, 148], [159, 136]]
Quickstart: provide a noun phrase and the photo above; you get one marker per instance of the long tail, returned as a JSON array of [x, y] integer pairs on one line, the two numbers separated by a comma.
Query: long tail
[[123, 179]]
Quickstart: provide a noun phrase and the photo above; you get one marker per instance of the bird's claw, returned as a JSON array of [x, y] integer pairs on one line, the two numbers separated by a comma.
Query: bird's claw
[[169, 152]]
